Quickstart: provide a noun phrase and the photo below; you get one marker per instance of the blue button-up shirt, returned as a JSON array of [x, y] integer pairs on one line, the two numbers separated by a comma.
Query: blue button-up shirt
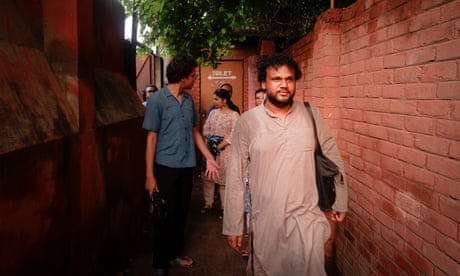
[[173, 121]]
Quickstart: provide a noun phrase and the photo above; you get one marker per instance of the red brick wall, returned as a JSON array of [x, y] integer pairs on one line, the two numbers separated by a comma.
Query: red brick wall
[[386, 75]]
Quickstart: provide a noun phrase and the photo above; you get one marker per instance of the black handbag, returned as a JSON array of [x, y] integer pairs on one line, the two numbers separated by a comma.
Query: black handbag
[[158, 208], [325, 170]]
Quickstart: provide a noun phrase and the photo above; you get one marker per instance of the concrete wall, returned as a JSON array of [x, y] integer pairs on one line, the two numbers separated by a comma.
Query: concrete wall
[[71, 146], [386, 75]]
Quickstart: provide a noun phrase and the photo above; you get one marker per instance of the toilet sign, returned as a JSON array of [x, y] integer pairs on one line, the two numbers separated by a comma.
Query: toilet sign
[[212, 78], [221, 75]]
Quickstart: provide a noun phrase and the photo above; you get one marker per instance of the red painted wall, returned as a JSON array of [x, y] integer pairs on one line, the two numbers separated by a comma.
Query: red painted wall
[[72, 147], [386, 76]]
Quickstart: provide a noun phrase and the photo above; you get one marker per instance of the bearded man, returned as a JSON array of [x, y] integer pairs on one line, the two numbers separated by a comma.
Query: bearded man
[[288, 229]]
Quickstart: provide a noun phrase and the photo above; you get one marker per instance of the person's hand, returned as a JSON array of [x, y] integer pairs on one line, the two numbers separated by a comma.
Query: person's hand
[[340, 216], [235, 242], [335, 216], [212, 170], [221, 146], [151, 185]]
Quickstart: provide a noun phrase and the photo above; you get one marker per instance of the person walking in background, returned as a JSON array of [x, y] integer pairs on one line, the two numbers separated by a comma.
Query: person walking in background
[[260, 96], [218, 130], [172, 124], [288, 228], [229, 88], [148, 90]]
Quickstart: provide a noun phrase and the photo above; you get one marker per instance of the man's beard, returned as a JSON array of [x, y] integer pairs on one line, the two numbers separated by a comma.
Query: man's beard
[[273, 100]]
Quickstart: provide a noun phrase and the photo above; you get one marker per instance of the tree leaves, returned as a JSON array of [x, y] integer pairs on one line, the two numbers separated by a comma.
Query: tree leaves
[[207, 29]]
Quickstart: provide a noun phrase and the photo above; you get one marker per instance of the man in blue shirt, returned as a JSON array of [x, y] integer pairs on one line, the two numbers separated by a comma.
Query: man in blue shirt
[[172, 124]]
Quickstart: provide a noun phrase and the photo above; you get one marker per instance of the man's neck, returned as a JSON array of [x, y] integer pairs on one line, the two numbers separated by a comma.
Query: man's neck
[[175, 89], [280, 112]]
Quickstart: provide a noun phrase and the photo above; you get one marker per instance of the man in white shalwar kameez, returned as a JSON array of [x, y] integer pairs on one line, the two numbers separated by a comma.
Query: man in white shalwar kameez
[[288, 228]]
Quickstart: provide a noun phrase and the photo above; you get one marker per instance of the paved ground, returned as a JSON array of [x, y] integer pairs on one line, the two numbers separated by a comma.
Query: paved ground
[[205, 244]]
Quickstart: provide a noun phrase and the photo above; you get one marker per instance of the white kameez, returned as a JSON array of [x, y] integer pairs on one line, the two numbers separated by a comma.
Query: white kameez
[[289, 230]]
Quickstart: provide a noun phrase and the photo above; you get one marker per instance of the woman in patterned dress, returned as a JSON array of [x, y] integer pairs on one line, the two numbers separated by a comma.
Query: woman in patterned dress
[[219, 124]]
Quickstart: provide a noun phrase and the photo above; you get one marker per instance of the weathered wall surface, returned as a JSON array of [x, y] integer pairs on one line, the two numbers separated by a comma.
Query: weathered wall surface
[[71, 145], [386, 75], [149, 70]]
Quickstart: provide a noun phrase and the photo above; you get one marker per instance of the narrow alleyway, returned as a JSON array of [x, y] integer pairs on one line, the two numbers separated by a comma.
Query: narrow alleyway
[[205, 244]]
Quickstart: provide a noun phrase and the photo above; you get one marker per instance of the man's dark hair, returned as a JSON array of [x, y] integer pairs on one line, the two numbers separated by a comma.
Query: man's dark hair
[[276, 60], [227, 84], [260, 90], [180, 67]]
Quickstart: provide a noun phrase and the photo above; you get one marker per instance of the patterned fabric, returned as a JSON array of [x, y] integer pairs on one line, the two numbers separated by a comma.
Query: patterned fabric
[[212, 141], [221, 124]]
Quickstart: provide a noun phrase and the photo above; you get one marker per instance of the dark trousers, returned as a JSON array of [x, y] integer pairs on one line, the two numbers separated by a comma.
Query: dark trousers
[[175, 185]]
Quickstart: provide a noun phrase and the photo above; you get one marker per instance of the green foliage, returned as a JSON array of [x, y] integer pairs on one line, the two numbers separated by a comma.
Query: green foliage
[[208, 29], [283, 21]]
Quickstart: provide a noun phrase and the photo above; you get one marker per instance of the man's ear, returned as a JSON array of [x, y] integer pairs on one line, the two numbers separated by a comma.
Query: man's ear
[[262, 85]]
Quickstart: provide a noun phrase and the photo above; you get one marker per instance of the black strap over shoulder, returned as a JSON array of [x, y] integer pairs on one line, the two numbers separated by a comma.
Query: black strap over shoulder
[[318, 146], [325, 172]]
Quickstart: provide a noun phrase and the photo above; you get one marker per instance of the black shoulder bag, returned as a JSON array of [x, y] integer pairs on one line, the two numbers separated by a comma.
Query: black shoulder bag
[[157, 208], [325, 170]]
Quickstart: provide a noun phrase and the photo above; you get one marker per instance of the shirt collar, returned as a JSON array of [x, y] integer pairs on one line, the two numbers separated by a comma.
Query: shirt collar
[[169, 94], [269, 113]]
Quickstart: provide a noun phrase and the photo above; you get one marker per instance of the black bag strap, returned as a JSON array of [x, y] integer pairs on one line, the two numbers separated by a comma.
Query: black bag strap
[[318, 146]]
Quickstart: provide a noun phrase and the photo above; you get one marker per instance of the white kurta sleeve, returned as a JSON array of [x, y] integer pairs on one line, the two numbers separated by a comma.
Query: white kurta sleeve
[[233, 222]]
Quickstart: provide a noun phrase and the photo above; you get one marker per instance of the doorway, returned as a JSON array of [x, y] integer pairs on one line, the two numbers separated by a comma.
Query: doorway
[[211, 79]]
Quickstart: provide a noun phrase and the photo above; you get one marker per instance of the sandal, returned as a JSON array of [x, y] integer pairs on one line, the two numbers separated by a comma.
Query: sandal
[[245, 252], [184, 261], [221, 215], [159, 272], [205, 210]]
